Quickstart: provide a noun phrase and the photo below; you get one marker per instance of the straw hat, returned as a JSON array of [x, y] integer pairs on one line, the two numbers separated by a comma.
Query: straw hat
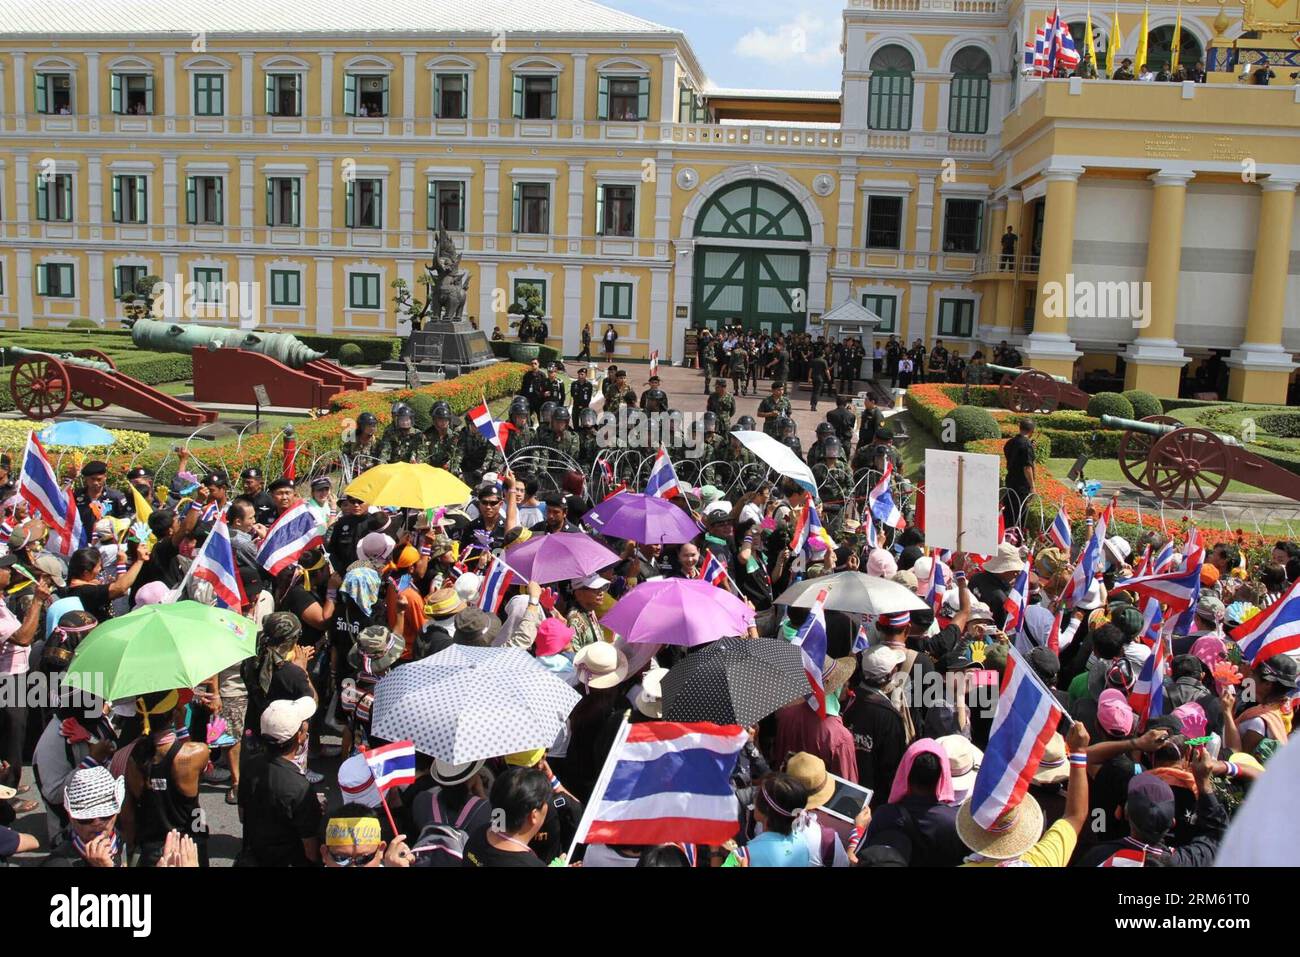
[[444, 603], [810, 771], [1017, 831], [1007, 559], [601, 665], [1053, 768], [964, 760]]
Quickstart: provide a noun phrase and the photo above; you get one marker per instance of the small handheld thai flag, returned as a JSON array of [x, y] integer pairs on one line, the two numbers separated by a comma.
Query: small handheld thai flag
[[654, 363], [881, 500], [1089, 563], [1054, 636], [715, 573], [215, 565], [498, 580], [481, 418], [1017, 599], [1147, 699], [861, 641], [292, 534], [938, 583], [1153, 618], [811, 642], [57, 507], [1178, 590], [807, 527], [393, 765], [1273, 631], [606, 470], [1164, 561], [1143, 567], [1059, 532], [1025, 721], [210, 512], [662, 482]]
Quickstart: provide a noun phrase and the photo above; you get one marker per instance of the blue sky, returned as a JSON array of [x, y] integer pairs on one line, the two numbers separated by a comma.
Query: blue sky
[[768, 44]]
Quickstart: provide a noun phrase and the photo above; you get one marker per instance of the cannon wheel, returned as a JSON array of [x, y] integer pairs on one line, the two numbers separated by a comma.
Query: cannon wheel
[[1031, 391], [1135, 449], [91, 403], [1190, 466], [40, 386]]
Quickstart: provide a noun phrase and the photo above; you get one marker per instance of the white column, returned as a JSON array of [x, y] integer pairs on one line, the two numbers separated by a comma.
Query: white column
[[95, 292], [579, 93], [23, 186], [664, 167], [848, 210], [405, 271], [3, 98], [667, 88], [326, 92], [944, 82], [491, 201], [324, 200], [324, 290], [171, 271], [577, 204], [245, 265], [571, 325], [21, 106], [95, 193], [246, 83], [659, 322], [918, 310], [818, 259], [924, 218], [92, 106], [169, 88], [408, 93], [487, 285], [25, 288], [247, 206], [494, 86], [171, 188], [406, 203], [683, 257]]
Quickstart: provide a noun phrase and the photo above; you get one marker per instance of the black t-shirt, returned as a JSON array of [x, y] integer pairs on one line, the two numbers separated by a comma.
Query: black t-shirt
[[298, 601], [163, 566], [94, 598], [280, 810], [479, 853], [1020, 456], [343, 540], [288, 683], [562, 817]]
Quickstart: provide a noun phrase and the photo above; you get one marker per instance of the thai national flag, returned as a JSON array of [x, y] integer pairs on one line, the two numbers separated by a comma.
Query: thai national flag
[[1036, 52], [1143, 567], [807, 527], [1026, 718], [715, 573], [1126, 857], [654, 363], [938, 582], [1273, 631], [1089, 562], [1178, 590], [481, 418], [215, 565], [1153, 619], [1017, 600], [210, 512], [861, 641], [292, 534], [662, 482], [811, 642], [606, 470], [1191, 568], [1061, 51], [1059, 532], [881, 501], [1147, 699], [1164, 561], [666, 781], [499, 578], [1054, 636], [57, 507], [393, 765], [1193, 540]]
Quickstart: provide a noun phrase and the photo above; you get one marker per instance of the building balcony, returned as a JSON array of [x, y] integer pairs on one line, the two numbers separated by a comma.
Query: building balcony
[[945, 8]]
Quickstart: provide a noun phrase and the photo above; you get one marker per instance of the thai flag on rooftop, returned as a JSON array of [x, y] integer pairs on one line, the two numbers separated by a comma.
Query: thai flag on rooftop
[[499, 578], [57, 507], [216, 566], [1026, 718], [1036, 52], [1089, 562], [292, 534], [1147, 699], [714, 572], [1061, 51], [811, 642], [481, 418], [666, 781], [1177, 590], [1059, 532], [1017, 599], [1273, 631], [880, 500], [393, 765], [662, 482]]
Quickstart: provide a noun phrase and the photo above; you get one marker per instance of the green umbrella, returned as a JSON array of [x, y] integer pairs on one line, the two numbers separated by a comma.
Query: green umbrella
[[159, 648]]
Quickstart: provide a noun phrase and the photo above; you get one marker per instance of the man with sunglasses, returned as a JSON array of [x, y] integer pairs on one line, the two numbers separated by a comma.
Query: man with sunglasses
[[491, 520], [353, 838]]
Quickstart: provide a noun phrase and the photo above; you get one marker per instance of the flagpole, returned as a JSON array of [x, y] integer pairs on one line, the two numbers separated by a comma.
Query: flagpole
[[1032, 676], [602, 784]]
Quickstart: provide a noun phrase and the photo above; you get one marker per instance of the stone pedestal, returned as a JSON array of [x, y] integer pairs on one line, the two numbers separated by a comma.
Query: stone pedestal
[[447, 347]]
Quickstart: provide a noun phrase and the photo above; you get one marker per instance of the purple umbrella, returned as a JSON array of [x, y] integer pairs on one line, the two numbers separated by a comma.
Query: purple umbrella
[[558, 556], [678, 611], [645, 519]]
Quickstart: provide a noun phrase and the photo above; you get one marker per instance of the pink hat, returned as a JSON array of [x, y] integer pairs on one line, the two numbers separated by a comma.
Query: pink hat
[[881, 564], [1192, 715], [154, 593], [1210, 649], [1114, 713], [553, 636]]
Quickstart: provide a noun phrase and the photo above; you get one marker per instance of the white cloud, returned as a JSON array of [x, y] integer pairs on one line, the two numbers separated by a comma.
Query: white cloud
[[806, 39]]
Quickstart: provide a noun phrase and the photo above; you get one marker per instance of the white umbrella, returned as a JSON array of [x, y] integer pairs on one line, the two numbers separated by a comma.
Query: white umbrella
[[780, 457], [855, 592]]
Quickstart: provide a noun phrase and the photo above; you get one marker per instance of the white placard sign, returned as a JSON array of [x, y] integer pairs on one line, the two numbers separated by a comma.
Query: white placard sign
[[977, 508]]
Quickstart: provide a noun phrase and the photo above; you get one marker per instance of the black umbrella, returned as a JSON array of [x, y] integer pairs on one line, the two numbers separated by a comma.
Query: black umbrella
[[734, 681]]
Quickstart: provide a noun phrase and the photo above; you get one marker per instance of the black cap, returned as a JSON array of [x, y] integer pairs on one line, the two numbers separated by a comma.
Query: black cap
[[139, 472], [216, 478], [1045, 662], [279, 484], [1150, 806], [94, 468], [320, 482], [251, 472], [1281, 669]]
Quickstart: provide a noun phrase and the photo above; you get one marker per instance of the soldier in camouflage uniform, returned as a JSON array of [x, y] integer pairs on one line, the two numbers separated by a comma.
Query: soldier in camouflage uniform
[[588, 448], [872, 458], [774, 407], [824, 431], [736, 455], [562, 444], [722, 405], [543, 431], [446, 447], [834, 483], [401, 442], [619, 392], [739, 368], [362, 451], [713, 449], [787, 433], [521, 436]]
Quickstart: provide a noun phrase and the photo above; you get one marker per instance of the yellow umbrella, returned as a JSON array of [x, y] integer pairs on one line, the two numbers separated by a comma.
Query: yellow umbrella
[[406, 485]]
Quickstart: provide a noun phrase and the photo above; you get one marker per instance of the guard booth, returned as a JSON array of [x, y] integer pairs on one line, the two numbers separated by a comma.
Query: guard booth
[[852, 320]]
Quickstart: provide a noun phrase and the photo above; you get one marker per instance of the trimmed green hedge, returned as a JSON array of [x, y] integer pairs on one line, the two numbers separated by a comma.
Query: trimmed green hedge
[[1144, 403], [545, 354], [972, 422], [351, 354], [373, 350], [1110, 403]]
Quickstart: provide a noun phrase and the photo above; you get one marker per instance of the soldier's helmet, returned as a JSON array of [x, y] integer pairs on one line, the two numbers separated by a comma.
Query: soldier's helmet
[[657, 396], [746, 423], [441, 410], [519, 406], [825, 430], [547, 410], [587, 419], [792, 441], [784, 425], [402, 415], [561, 414], [367, 420], [831, 448], [710, 422]]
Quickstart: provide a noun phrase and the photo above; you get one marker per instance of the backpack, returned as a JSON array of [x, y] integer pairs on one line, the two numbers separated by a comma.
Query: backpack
[[441, 844]]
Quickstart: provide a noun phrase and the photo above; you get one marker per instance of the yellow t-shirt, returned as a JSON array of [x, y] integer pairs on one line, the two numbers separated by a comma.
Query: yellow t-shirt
[[1052, 850]]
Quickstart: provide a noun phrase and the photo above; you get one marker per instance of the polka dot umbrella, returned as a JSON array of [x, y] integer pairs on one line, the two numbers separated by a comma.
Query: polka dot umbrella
[[734, 681]]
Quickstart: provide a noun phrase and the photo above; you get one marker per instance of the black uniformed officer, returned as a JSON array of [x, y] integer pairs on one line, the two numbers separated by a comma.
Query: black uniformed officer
[[842, 420], [95, 500], [255, 491], [580, 391]]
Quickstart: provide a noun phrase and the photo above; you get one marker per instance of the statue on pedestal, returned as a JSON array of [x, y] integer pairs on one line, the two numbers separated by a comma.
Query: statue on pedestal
[[445, 287]]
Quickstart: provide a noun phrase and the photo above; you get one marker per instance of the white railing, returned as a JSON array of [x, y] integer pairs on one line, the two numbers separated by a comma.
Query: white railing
[[757, 135], [929, 6]]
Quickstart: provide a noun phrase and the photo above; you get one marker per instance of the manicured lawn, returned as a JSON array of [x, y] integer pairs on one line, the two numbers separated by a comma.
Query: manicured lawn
[[1107, 470]]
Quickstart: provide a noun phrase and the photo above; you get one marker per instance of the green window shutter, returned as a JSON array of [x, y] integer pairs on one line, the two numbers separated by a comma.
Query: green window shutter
[[386, 88], [42, 280], [600, 210], [602, 99], [42, 105], [270, 201], [221, 205], [141, 199], [270, 94], [347, 203], [191, 200], [518, 212], [431, 206], [117, 199], [298, 81], [379, 204], [220, 82], [295, 190], [148, 93], [517, 97], [349, 94], [643, 98], [115, 83], [42, 199]]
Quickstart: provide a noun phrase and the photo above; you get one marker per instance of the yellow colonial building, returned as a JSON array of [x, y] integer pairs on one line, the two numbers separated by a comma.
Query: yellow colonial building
[[310, 151]]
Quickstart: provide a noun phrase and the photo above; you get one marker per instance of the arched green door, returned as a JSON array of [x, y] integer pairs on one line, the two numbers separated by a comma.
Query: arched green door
[[756, 274]]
